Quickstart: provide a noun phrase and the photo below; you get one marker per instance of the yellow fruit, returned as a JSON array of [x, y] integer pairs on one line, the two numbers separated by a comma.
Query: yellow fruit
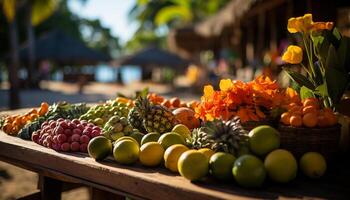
[[193, 165], [151, 154], [310, 119], [182, 130], [170, 138], [150, 137], [313, 164], [172, 155], [126, 151], [281, 166], [263, 139], [126, 138], [221, 165], [208, 152]]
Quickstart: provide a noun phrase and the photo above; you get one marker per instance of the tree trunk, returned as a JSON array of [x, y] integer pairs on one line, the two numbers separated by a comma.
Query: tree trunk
[[31, 46], [14, 101]]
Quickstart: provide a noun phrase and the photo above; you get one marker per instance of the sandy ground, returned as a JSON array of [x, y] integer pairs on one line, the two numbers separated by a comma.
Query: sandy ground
[[16, 182]]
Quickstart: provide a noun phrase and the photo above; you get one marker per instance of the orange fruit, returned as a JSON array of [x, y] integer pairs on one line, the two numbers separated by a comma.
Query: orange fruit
[[310, 119], [285, 118], [187, 117], [166, 103], [309, 109], [175, 102], [322, 121], [295, 120], [311, 102], [331, 118], [295, 109], [291, 105]]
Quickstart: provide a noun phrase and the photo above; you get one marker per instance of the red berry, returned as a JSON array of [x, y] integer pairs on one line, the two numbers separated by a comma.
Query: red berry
[[54, 139], [68, 132], [75, 138], [35, 137], [59, 130], [76, 121], [76, 131], [69, 139], [64, 124], [83, 122], [90, 125], [72, 125], [75, 146], [61, 138], [81, 127], [95, 133], [56, 147], [83, 147], [60, 120], [65, 146], [45, 143], [84, 139], [96, 128], [87, 130], [53, 124]]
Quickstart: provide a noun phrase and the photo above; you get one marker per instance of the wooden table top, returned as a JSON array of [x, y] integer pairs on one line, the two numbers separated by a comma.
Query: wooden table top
[[158, 183]]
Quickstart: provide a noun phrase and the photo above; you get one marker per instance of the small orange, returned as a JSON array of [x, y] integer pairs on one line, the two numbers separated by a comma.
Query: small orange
[[295, 120], [322, 121], [309, 109], [285, 118], [331, 118], [310, 120], [311, 102], [295, 109], [166, 103], [291, 105]]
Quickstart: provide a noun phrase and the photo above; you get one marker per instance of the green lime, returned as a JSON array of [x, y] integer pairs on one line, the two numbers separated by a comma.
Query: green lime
[[150, 137], [221, 165], [249, 171], [281, 166], [263, 140], [193, 165], [99, 147], [126, 151], [170, 138]]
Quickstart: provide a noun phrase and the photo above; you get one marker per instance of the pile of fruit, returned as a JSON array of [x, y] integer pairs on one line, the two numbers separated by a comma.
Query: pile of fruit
[[12, 124], [100, 114], [220, 149], [309, 114], [66, 135], [193, 139]]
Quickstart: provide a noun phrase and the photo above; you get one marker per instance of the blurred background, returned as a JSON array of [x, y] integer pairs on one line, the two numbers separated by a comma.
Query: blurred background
[[92, 50]]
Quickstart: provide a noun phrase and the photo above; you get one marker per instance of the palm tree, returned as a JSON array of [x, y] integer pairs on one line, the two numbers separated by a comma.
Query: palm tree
[[37, 11]]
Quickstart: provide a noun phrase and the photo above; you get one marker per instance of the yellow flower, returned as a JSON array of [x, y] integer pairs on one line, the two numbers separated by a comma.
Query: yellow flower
[[317, 26], [293, 55], [208, 91], [300, 24], [225, 84]]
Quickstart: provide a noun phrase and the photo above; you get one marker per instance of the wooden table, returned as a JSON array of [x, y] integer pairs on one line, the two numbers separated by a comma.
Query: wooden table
[[139, 182]]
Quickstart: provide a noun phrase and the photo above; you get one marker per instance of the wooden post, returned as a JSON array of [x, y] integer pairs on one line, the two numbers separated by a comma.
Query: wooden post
[[51, 189], [97, 194]]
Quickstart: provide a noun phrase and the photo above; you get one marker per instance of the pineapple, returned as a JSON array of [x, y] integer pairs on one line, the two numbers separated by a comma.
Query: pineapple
[[156, 118], [136, 120], [226, 136]]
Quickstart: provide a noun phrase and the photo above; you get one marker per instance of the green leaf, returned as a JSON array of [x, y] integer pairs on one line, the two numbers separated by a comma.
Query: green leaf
[[321, 90], [305, 93], [337, 82], [169, 13], [300, 79]]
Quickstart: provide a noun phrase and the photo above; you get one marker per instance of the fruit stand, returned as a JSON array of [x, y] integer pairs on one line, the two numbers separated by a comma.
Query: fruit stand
[[157, 183], [241, 140]]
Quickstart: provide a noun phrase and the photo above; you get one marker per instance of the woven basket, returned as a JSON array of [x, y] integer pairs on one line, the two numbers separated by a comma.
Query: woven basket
[[249, 125], [302, 140]]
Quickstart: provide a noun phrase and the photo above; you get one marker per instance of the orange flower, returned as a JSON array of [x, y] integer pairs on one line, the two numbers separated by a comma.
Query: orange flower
[[317, 26]]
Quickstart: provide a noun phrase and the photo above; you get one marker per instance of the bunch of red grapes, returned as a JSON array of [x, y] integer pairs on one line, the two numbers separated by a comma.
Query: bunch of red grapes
[[66, 135]]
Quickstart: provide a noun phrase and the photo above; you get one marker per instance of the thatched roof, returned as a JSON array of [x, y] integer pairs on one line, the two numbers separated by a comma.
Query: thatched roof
[[152, 56], [63, 49], [206, 34]]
